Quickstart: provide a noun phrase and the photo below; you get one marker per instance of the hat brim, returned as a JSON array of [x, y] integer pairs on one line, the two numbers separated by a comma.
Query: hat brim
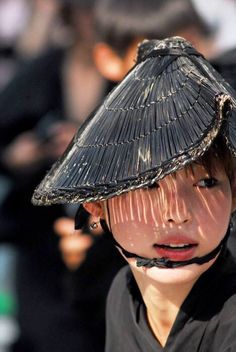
[[149, 126]]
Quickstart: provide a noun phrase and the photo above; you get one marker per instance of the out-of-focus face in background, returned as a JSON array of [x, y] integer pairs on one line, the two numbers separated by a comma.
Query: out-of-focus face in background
[[14, 15]]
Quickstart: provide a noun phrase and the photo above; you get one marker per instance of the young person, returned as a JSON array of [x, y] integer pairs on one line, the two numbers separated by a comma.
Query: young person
[[120, 26], [155, 163]]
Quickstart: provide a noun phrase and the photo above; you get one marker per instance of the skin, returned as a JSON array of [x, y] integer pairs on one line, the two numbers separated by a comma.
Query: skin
[[189, 205]]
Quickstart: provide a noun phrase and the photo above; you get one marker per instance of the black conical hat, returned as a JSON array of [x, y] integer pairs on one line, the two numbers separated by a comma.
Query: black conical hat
[[162, 116]]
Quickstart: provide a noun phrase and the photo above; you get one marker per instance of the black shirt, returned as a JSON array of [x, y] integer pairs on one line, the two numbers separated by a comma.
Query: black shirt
[[206, 321]]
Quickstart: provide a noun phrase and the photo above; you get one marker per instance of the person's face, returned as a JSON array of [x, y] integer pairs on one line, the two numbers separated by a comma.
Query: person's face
[[184, 215]]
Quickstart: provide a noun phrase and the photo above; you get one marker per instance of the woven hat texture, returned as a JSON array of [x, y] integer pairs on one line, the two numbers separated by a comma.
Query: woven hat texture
[[163, 115]]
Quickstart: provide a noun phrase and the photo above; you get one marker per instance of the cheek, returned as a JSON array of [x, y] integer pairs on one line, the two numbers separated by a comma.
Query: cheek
[[210, 208], [134, 216]]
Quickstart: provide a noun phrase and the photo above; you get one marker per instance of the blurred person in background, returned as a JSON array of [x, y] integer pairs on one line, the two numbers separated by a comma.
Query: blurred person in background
[[44, 28], [43, 105], [13, 20], [27, 28]]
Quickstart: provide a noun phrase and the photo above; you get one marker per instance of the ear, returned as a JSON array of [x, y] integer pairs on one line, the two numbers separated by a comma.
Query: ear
[[108, 62], [95, 209], [233, 190]]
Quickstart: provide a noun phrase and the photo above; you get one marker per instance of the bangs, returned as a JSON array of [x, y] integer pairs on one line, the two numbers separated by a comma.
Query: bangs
[[221, 153]]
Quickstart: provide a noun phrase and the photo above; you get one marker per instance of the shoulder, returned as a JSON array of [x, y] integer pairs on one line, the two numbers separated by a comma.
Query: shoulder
[[121, 313], [222, 327], [120, 303], [119, 288]]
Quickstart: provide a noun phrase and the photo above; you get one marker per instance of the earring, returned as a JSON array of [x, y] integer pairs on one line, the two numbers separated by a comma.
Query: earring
[[94, 225]]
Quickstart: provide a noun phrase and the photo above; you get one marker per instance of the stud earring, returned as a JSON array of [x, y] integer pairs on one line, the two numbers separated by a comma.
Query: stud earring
[[94, 225]]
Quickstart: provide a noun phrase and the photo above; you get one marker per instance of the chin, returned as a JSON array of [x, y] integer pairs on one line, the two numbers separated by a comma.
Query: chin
[[174, 276]]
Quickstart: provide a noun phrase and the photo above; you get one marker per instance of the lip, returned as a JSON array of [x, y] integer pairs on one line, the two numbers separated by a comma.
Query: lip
[[176, 254], [176, 239]]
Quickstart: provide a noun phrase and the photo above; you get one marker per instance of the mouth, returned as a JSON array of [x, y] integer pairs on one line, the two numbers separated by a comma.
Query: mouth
[[176, 251]]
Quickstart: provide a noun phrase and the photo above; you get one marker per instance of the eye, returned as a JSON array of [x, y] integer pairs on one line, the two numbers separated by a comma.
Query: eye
[[207, 182]]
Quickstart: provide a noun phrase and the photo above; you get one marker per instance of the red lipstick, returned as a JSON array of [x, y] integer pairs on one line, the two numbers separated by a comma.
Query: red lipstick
[[177, 248]]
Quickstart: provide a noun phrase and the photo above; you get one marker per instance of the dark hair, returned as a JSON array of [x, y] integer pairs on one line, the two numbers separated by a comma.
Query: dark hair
[[219, 151], [69, 6], [120, 22]]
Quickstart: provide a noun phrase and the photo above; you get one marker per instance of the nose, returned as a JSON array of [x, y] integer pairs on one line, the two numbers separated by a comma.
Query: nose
[[177, 208], [177, 214], [179, 220]]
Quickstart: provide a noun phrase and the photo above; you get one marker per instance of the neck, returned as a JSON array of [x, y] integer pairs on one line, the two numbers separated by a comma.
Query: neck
[[163, 303]]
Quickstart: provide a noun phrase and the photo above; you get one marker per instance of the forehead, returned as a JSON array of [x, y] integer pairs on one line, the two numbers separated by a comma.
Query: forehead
[[214, 166], [191, 173]]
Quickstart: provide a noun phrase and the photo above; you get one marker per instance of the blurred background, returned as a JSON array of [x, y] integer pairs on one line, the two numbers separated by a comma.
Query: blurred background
[[58, 58]]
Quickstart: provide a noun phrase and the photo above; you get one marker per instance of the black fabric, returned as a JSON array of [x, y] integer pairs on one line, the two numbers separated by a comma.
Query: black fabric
[[206, 321]]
